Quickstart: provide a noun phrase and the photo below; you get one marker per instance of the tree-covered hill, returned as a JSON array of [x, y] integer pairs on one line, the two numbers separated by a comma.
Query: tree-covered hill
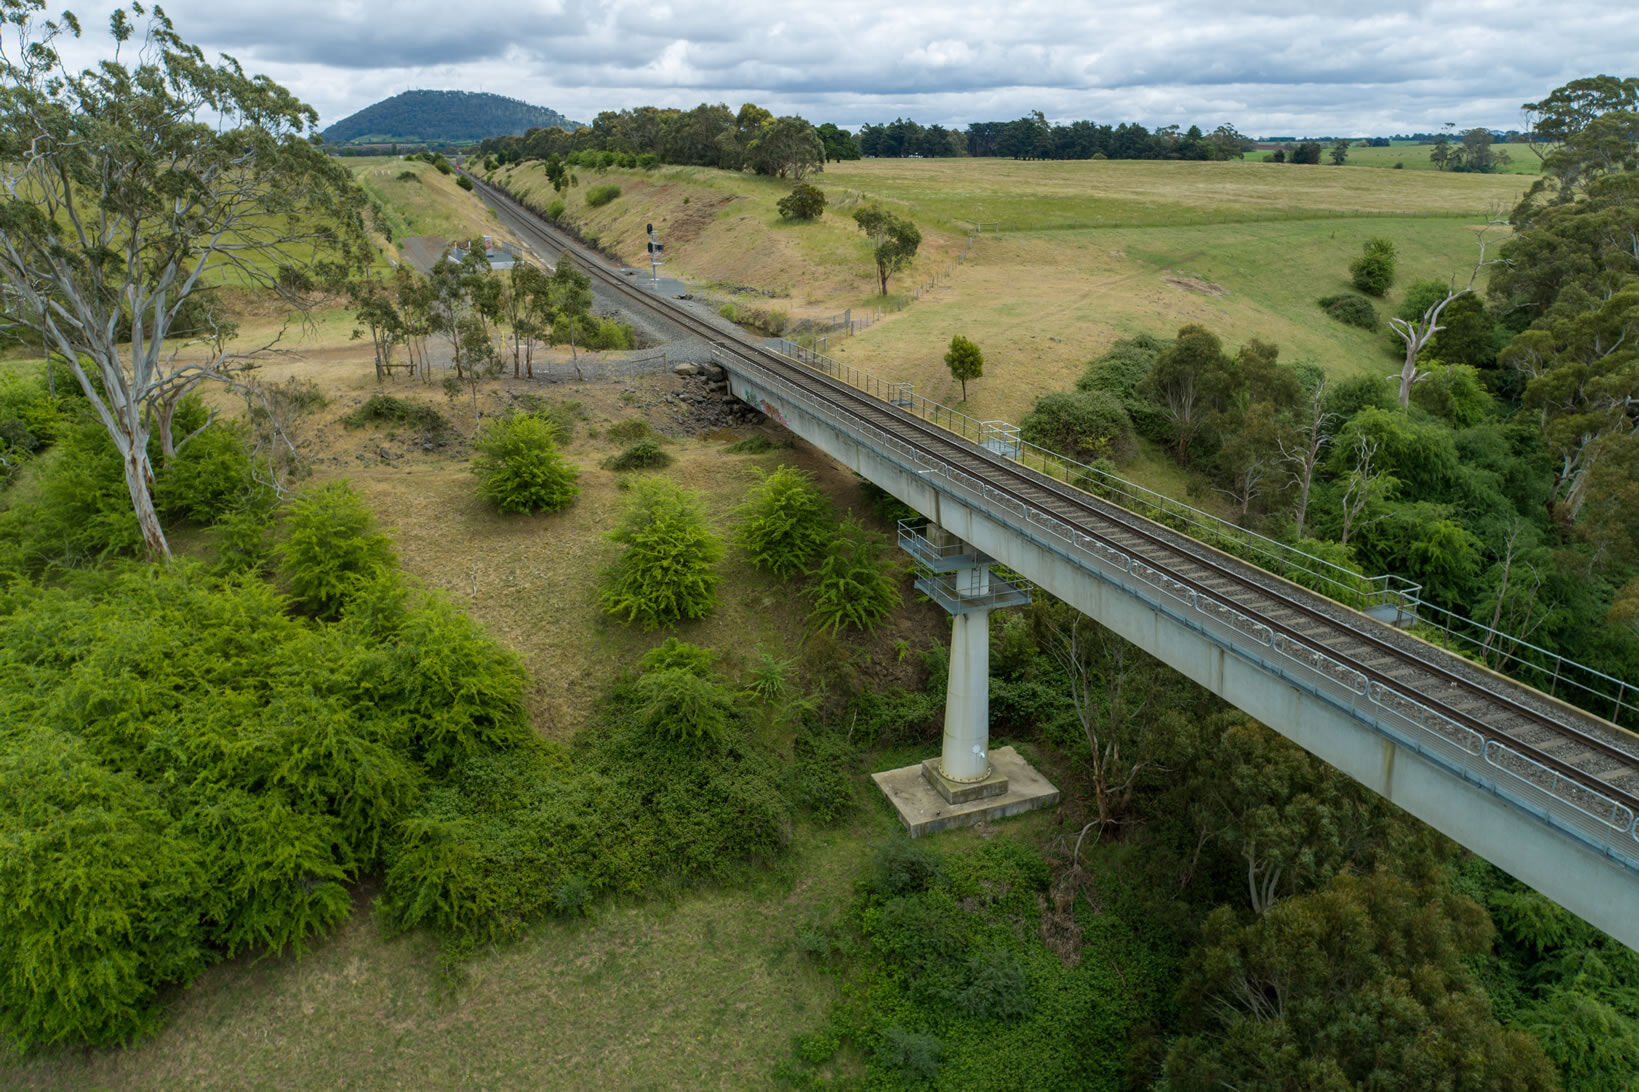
[[416, 116]]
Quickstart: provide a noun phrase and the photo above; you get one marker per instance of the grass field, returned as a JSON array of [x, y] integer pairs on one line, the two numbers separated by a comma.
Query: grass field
[[1087, 252], [433, 205], [1414, 157]]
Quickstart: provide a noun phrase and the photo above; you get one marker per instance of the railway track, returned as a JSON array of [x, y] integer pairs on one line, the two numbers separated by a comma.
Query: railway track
[[1579, 747]]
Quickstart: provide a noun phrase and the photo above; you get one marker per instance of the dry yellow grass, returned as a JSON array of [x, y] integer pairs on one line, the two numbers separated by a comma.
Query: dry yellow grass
[[1089, 252]]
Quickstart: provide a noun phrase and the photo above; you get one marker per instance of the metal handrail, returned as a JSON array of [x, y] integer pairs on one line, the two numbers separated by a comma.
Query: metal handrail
[[1554, 672], [1432, 733]]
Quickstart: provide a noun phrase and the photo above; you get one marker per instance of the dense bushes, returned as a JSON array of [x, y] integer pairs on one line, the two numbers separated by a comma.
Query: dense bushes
[[784, 522], [388, 409], [598, 196], [29, 420], [1084, 425], [667, 788], [806, 201], [951, 982], [331, 548], [665, 574], [519, 467], [644, 454], [1373, 272], [188, 772], [853, 581], [1351, 310]]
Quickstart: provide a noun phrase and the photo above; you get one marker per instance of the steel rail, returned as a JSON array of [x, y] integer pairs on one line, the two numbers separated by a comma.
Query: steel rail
[[1255, 593]]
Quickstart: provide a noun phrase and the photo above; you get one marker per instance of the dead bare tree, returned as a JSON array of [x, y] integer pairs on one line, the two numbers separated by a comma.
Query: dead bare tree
[[1098, 665], [1417, 333], [1302, 456], [1366, 484], [1521, 613]]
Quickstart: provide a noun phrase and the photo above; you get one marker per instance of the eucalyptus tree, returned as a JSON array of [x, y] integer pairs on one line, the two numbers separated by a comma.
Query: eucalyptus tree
[[128, 187]]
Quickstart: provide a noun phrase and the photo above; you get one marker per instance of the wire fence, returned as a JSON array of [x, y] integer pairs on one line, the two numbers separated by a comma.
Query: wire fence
[[1388, 597]]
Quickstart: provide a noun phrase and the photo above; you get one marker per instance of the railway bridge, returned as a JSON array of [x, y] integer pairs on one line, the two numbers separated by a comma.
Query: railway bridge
[[1541, 788]]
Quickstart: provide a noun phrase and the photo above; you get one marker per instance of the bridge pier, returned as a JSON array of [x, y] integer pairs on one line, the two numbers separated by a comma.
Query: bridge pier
[[966, 784]]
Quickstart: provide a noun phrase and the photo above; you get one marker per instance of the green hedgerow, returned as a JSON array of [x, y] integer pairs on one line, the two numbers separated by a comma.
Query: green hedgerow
[[519, 466]]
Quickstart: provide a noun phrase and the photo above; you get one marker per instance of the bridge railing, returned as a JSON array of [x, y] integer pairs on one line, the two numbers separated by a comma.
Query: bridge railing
[[1315, 573], [1387, 596], [1489, 762]]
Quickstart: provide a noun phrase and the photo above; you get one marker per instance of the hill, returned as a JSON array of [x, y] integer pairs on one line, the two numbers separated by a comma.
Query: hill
[[417, 116]]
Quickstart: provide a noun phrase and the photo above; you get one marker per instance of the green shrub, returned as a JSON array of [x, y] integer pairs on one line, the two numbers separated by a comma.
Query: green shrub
[[1122, 367], [598, 196], [784, 522], [98, 887], [648, 161], [624, 432], [389, 409], [996, 987], [915, 1052], [755, 445], [643, 455], [76, 510], [555, 209], [680, 655], [904, 867], [1351, 310], [665, 574], [29, 418], [212, 475], [330, 547], [822, 775], [805, 202], [704, 807], [683, 704], [464, 182], [490, 850], [243, 541], [1083, 424], [188, 772], [409, 176], [1373, 272], [519, 466], [448, 689], [854, 582]]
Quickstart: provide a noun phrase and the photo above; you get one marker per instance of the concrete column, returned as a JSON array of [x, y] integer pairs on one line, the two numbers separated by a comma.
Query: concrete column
[[966, 755]]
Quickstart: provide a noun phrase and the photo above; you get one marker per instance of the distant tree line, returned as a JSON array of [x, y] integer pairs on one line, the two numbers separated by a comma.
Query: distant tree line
[[755, 140], [707, 136], [1034, 137]]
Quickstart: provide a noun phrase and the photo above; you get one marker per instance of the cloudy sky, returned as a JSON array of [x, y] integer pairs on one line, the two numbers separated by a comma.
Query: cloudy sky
[[1266, 66]]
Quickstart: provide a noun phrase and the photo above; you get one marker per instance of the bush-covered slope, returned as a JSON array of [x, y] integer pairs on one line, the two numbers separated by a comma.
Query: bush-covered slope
[[443, 115]]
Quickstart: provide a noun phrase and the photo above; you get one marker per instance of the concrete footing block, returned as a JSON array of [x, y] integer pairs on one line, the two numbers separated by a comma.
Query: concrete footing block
[[924, 810], [960, 792]]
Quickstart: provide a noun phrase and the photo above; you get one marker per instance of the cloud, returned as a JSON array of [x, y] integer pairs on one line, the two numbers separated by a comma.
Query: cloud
[[1265, 66]]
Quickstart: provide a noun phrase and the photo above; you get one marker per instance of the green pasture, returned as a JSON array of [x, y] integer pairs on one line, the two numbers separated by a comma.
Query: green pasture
[[1062, 196], [432, 205], [1414, 157]]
